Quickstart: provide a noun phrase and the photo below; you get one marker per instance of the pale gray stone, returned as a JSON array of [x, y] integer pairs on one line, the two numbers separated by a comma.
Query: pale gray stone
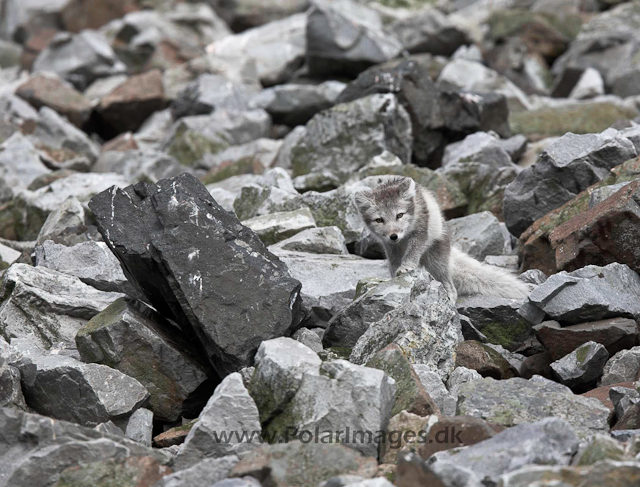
[[622, 367], [324, 240], [275, 227], [583, 366], [140, 427], [309, 338], [437, 391]]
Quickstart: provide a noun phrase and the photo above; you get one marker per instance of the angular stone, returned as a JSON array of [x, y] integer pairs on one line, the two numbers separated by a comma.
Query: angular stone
[[209, 470], [254, 157], [484, 360], [69, 214], [343, 395], [565, 168], [460, 376], [286, 465], [325, 240], [295, 104], [582, 367], [411, 396], [479, 235], [550, 441], [132, 471], [140, 426], [47, 306], [48, 90], [10, 388], [515, 401], [499, 319], [194, 254], [141, 345], [67, 389], [174, 436], [426, 327], [276, 227], [624, 366], [589, 85], [615, 334], [139, 165], [351, 322], [600, 447], [589, 294], [231, 409], [436, 389], [622, 399], [18, 176], [309, 338], [280, 365]]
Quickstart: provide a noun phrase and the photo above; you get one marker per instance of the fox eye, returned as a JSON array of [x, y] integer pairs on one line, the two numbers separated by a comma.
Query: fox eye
[[379, 220], [400, 215]]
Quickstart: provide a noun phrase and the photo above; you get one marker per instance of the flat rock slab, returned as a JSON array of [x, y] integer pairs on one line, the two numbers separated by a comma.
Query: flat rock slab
[[195, 262]]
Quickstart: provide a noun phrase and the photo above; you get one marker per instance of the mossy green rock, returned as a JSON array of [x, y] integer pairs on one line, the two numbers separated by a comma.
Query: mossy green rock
[[600, 447]]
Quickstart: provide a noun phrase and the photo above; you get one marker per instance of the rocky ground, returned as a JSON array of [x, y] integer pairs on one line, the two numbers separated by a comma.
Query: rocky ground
[[190, 296]]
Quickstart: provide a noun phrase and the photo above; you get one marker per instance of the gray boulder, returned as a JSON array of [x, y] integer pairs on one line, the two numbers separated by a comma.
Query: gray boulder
[[280, 365], [252, 157], [346, 37], [514, 401], [139, 165], [583, 366], [564, 169], [589, 294], [622, 367], [309, 338], [140, 344], [205, 472], [10, 388], [343, 395], [203, 261], [550, 441], [426, 327], [436, 389], [325, 240], [47, 306], [460, 376], [245, 14], [346, 137], [69, 214], [140, 427], [18, 176], [480, 235], [64, 388], [230, 411], [275, 227]]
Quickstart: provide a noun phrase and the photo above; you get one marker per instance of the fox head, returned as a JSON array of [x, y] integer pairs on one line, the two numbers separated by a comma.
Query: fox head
[[389, 209]]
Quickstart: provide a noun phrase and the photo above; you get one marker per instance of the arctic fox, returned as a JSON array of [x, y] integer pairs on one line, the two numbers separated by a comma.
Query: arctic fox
[[407, 220]]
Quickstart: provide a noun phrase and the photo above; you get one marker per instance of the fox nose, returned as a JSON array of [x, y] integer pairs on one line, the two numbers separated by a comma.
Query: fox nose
[[393, 237]]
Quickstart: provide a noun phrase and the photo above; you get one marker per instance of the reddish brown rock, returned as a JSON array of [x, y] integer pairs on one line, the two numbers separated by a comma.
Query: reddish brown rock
[[489, 363], [92, 14], [537, 364], [51, 91], [174, 436], [615, 334], [608, 232], [602, 393], [37, 41], [630, 420], [131, 103], [411, 395]]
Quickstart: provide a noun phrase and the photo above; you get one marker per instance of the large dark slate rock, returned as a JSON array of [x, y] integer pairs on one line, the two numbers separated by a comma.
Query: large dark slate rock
[[200, 267]]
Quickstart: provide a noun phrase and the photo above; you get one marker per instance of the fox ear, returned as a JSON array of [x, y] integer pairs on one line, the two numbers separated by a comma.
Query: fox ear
[[364, 200], [408, 187]]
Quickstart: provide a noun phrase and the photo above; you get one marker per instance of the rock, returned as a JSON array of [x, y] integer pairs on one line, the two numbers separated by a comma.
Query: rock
[[436, 389], [622, 367], [351, 322], [345, 137], [589, 294], [295, 104], [600, 194], [329, 281], [210, 470], [479, 235], [80, 59], [426, 327], [615, 334], [174, 436], [583, 241], [276, 227], [499, 319], [47, 306], [508, 402], [140, 426], [285, 465], [582, 367], [630, 420], [143, 346], [134, 470], [10, 388], [19, 176], [210, 92], [280, 365], [91, 262], [623, 398], [589, 85], [54, 446], [602, 394], [48, 90], [482, 169], [428, 30], [550, 441], [309, 338], [486, 361], [194, 218], [139, 165], [277, 48], [600, 447], [553, 181], [231, 409], [190, 138], [325, 240], [411, 396], [316, 181], [346, 38], [329, 401], [131, 103], [460, 376], [67, 389]]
